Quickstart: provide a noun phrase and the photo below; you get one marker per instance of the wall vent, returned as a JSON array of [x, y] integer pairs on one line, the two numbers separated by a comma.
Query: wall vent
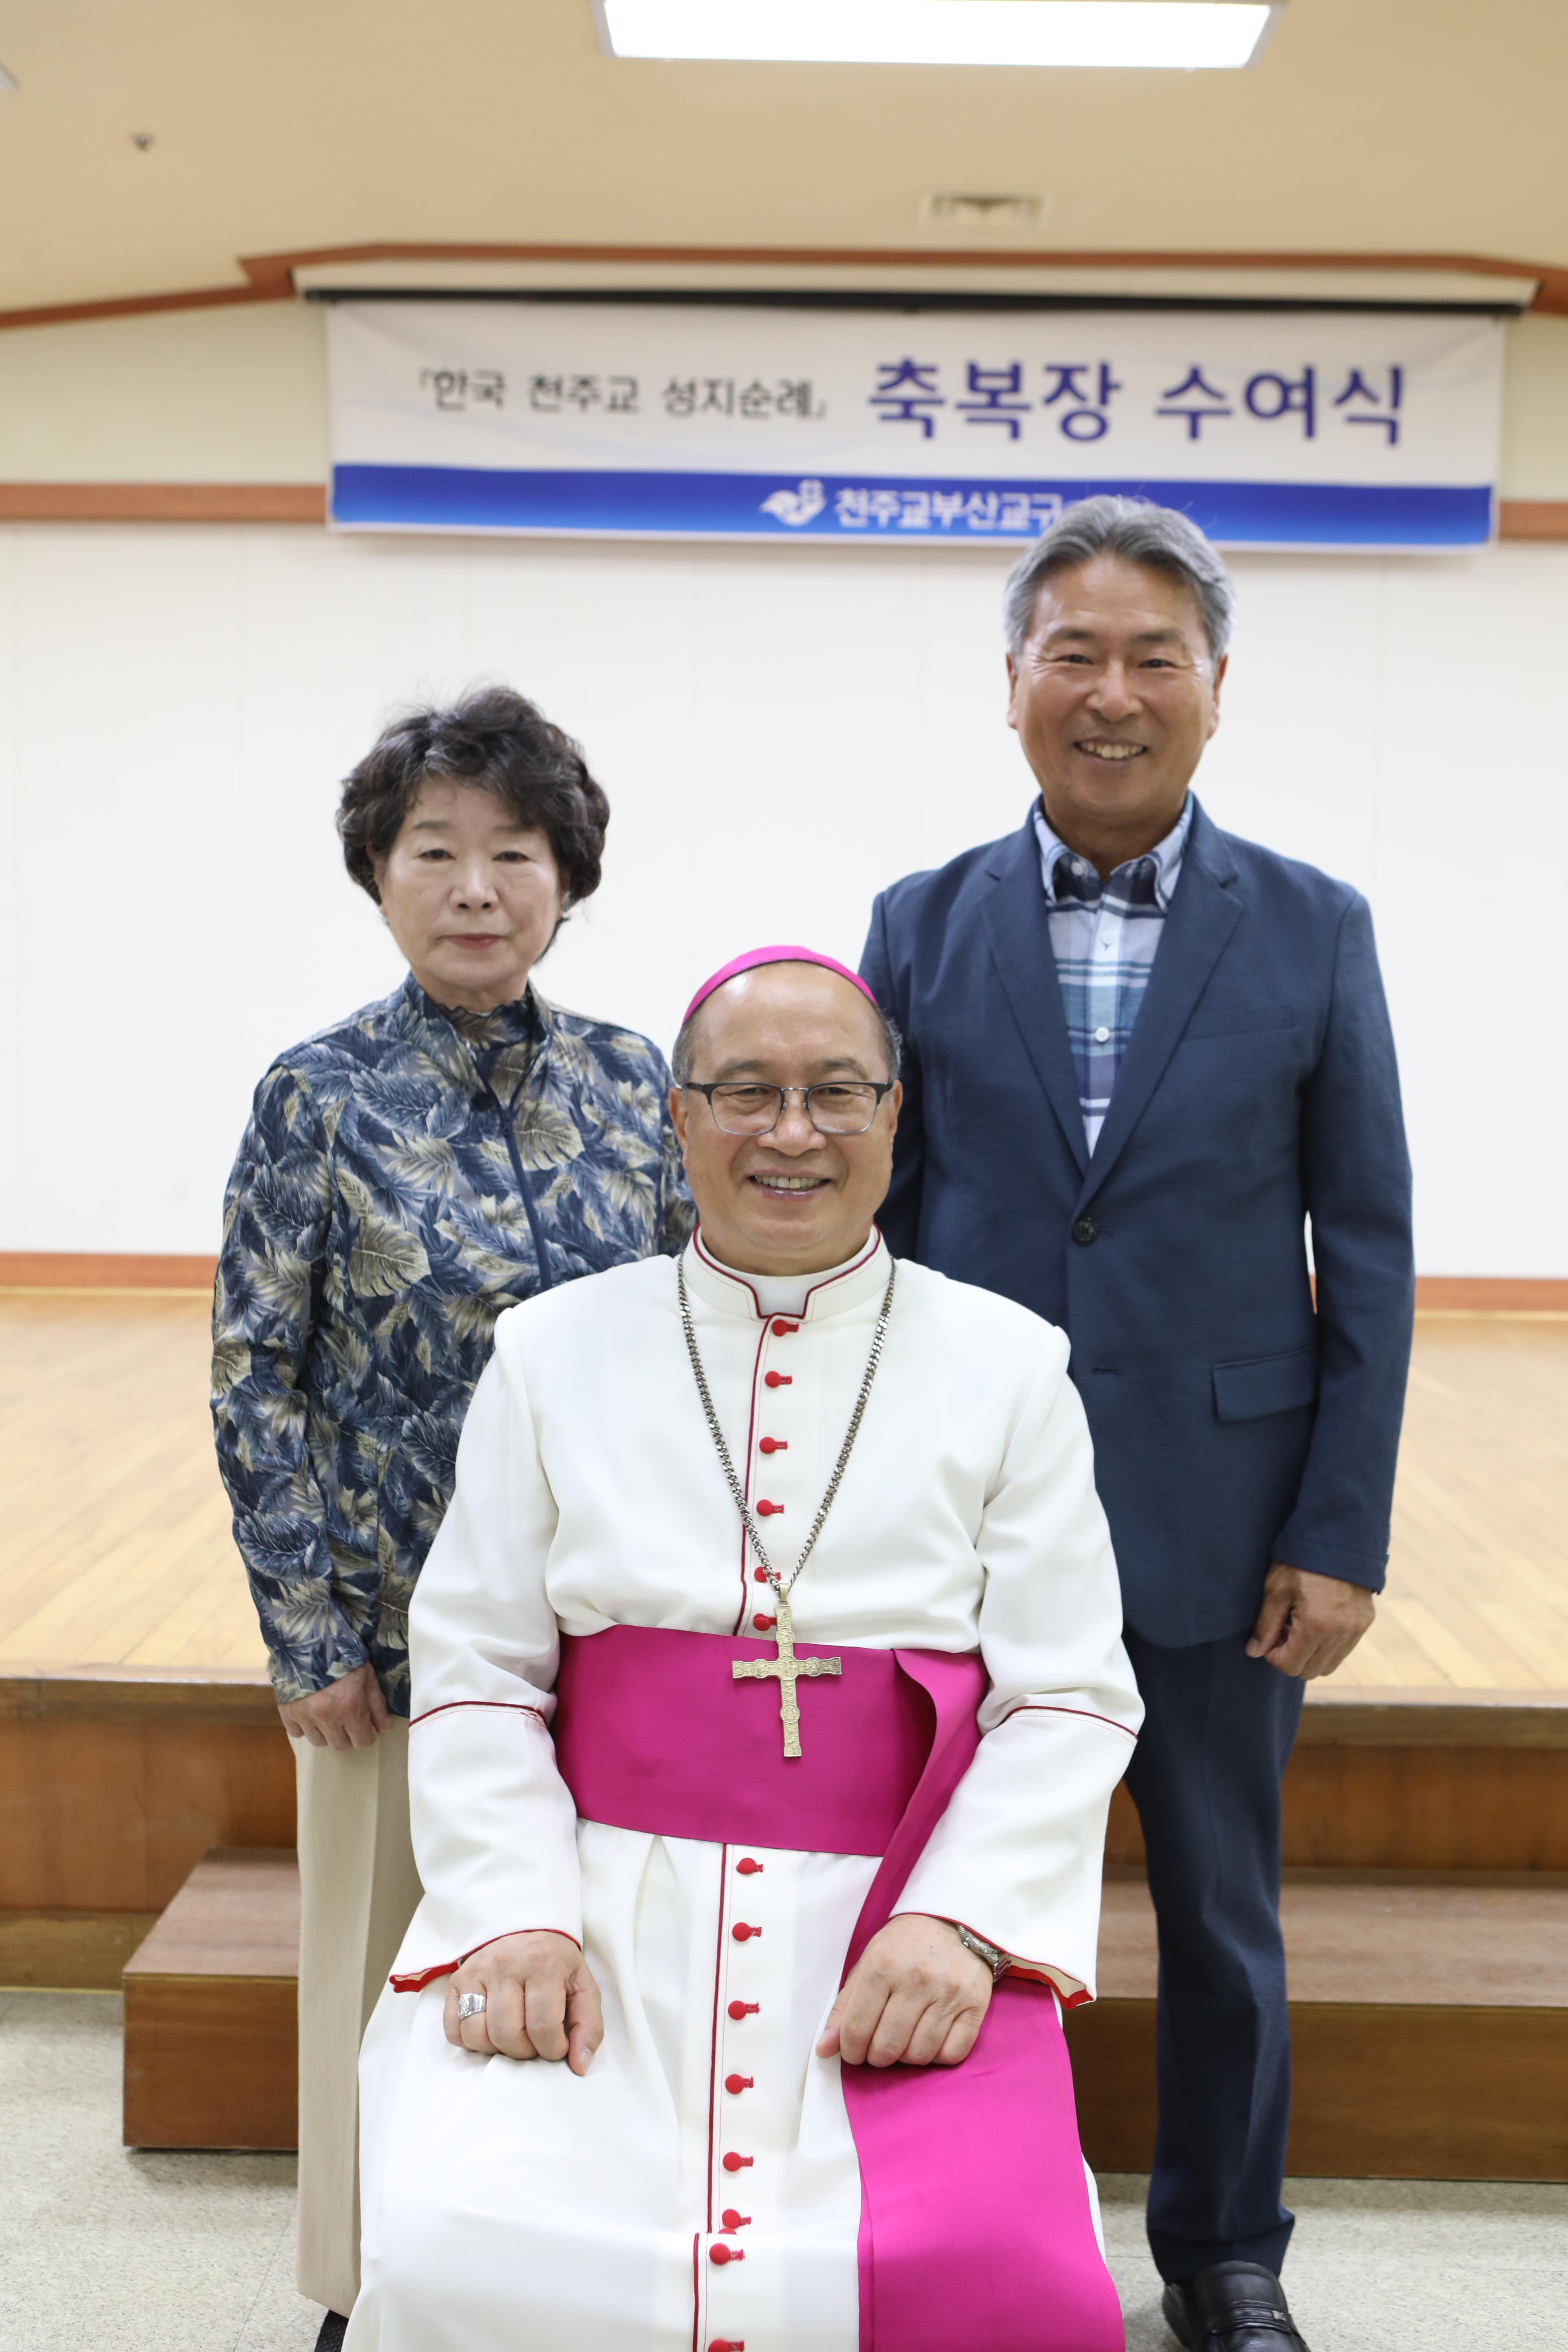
[[984, 216]]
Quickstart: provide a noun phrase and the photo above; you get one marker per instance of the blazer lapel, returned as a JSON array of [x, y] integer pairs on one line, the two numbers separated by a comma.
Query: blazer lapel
[[1019, 934], [1204, 913]]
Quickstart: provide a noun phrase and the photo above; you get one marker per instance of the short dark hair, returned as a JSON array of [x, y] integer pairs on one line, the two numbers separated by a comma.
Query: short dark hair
[[498, 740]]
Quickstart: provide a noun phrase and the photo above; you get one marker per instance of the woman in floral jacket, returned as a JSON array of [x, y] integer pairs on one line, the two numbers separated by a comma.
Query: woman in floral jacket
[[406, 1176]]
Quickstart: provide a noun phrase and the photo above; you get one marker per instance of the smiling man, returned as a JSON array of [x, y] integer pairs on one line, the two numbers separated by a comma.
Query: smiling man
[[1142, 1056], [768, 1697]]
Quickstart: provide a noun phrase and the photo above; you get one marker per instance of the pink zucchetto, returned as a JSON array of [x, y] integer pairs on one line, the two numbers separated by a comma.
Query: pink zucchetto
[[756, 956]]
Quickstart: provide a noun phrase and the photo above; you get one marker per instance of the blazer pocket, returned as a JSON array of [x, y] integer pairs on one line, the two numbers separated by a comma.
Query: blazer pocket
[[1266, 1385], [1242, 1023]]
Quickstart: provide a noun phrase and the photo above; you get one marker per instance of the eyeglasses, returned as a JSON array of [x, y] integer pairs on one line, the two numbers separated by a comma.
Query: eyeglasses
[[835, 1107]]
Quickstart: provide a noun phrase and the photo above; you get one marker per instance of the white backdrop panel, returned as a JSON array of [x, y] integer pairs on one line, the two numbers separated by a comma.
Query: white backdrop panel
[[780, 732]]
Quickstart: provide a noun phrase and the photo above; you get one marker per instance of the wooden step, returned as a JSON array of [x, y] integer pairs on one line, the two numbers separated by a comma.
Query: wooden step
[[1393, 1780], [211, 2008], [115, 1781], [1428, 2021], [1430, 2018]]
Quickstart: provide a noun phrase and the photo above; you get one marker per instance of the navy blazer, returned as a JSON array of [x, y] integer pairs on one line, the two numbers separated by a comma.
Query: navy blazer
[[1233, 1422]]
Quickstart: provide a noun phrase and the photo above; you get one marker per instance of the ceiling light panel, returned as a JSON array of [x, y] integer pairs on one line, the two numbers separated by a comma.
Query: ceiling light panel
[[1182, 35]]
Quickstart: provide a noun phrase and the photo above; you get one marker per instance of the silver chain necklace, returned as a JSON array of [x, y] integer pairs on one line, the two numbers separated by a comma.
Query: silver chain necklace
[[780, 1590]]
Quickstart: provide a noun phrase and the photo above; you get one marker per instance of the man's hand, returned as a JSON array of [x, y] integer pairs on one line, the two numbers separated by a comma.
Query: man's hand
[[349, 1713], [915, 1994], [1308, 1624], [541, 2000]]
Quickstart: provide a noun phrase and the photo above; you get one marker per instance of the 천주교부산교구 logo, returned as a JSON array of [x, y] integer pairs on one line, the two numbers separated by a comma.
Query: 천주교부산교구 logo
[[796, 507]]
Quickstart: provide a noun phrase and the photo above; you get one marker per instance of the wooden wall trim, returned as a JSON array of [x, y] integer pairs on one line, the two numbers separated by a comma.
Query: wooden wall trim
[[90, 1270], [1473, 1294], [273, 273], [1532, 518], [269, 276], [93, 1270], [1538, 519], [163, 502], [142, 305]]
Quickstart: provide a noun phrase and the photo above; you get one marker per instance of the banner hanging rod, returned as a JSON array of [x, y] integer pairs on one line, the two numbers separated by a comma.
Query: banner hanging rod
[[902, 303]]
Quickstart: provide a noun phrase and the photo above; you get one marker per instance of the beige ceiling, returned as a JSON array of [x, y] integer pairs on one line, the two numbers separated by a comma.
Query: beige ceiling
[[1370, 126]]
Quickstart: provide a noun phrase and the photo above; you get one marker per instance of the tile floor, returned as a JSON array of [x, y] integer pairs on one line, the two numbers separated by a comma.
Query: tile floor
[[1389, 2265], [104, 2249]]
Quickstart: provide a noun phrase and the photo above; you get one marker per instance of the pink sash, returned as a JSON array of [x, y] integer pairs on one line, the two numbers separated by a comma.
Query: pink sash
[[974, 2221]]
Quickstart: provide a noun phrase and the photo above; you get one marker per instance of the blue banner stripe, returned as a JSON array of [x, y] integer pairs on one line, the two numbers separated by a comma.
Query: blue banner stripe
[[886, 507]]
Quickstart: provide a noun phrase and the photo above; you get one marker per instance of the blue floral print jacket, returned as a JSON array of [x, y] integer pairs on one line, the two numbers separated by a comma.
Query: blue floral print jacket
[[405, 1178]]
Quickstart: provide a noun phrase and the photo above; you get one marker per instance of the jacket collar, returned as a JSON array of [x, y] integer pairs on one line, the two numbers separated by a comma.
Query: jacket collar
[[497, 1049], [1018, 933], [732, 1294], [1165, 858], [1206, 910]]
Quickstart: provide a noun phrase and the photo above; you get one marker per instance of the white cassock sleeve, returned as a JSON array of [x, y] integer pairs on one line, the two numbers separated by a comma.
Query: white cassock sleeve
[[1018, 1855], [494, 1826]]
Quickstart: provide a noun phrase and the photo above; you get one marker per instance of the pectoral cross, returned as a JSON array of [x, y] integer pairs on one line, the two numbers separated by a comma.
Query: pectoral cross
[[786, 1669]]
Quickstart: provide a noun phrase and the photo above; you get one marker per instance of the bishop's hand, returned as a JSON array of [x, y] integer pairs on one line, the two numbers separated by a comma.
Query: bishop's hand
[[541, 2000], [916, 1995]]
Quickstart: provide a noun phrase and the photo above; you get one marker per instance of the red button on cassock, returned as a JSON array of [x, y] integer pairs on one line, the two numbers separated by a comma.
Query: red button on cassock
[[773, 1446], [748, 1868], [726, 2254], [740, 2009], [733, 2220], [778, 1379], [765, 1510], [783, 1329], [739, 2083], [763, 1624], [742, 1933], [758, 1576], [728, 2344], [733, 2163]]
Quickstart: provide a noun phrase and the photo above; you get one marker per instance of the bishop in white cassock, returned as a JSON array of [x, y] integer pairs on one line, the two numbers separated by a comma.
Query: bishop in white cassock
[[798, 2079]]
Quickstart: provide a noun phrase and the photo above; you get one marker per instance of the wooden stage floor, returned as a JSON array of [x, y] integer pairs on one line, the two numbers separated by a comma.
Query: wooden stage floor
[[115, 1548]]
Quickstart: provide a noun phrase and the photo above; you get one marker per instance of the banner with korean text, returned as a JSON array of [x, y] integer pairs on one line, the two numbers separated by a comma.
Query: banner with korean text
[[1282, 429]]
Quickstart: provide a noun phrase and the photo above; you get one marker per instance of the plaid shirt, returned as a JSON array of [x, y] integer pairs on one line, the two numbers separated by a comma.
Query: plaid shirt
[[1105, 938]]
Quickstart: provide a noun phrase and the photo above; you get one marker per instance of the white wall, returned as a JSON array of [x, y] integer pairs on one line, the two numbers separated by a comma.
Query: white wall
[[781, 731]]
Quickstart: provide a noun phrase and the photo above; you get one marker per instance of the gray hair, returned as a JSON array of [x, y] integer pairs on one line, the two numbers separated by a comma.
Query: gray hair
[[680, 1053], [1138, 532]]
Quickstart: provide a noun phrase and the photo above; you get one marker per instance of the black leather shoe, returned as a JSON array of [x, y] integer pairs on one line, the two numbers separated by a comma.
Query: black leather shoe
[[1232, 2307], [333, 2328]]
